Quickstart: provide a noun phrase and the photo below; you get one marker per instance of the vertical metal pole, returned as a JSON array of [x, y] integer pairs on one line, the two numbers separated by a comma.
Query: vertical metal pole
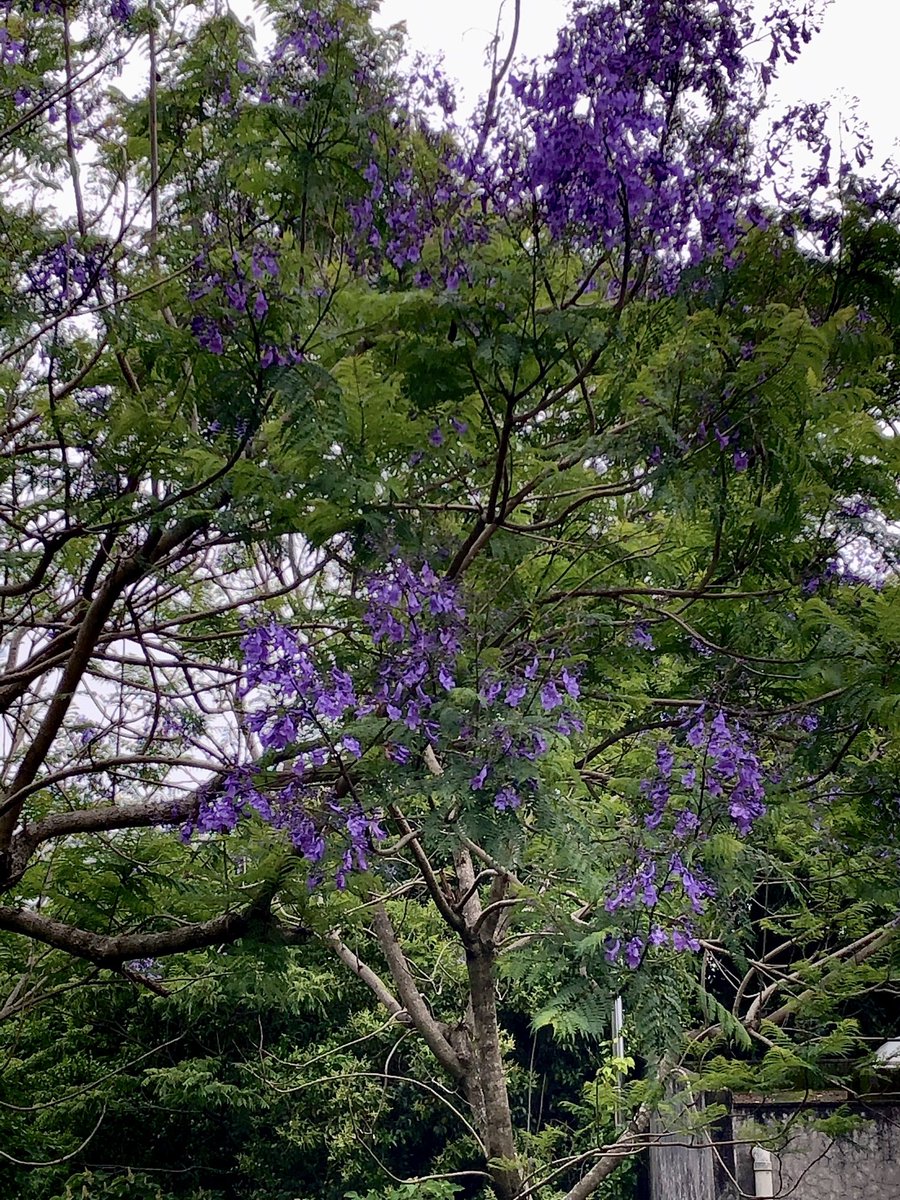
[[618, 1048]]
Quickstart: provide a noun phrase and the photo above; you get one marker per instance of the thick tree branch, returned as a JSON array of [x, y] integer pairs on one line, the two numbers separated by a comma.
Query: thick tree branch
[[851, 955], [369, 977], [629, 1142], [441, 902], [93, 820], [112, 950], [430, 1029]]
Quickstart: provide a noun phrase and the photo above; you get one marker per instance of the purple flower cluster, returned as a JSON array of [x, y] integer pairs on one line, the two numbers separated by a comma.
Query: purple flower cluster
[[642, 884], [12, 51], [632, 141], [301, 699], [642, 637], [712, 766], [299, 807], [524, 702], [208, 334], [391, 222], [401, 213], [681, 936], [726, 767], [245, 292], [636, 886], [416, 620], [306, 45], [306, 710], [303, 706], [64, 274]]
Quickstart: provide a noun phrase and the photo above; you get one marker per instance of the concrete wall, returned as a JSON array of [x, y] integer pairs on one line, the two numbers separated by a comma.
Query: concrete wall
[[683, 1166], [681, 1172], [718, 1165], [813, 1166]]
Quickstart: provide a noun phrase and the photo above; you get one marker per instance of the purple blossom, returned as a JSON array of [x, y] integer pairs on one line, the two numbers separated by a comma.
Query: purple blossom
[[696, 735], [550, 697], [686, 823], [236, 296], [263, 262], [535, 747], [665, 759], [683, 938], [11, 50], [696, 889], [741, 460], [657, 792], [208, 334], [608, 134], [570, 683], [634, 951], [641, 636], [637, 887], [613, 948], [477, 781], [569, 723], [507, 798], [436, 437], [351, 746]]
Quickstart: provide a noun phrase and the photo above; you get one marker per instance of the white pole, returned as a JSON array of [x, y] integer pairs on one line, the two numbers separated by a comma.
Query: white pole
[[618, 1023], [618, 1048], [763, 1172]]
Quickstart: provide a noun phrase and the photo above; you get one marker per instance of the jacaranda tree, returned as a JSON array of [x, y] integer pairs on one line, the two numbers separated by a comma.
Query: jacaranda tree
[[467, 545]]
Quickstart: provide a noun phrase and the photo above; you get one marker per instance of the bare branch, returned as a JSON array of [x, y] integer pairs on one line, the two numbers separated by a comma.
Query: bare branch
[[430, 1029], [367, 975]]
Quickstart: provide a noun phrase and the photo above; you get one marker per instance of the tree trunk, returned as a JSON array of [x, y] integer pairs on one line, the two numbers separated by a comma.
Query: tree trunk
[[491, 1074]]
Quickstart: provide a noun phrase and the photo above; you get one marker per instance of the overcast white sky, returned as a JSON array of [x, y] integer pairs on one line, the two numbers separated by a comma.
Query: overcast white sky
[[856, 53]]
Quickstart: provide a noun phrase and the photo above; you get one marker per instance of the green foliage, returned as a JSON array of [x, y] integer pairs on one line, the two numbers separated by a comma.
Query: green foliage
[[717, 467]]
